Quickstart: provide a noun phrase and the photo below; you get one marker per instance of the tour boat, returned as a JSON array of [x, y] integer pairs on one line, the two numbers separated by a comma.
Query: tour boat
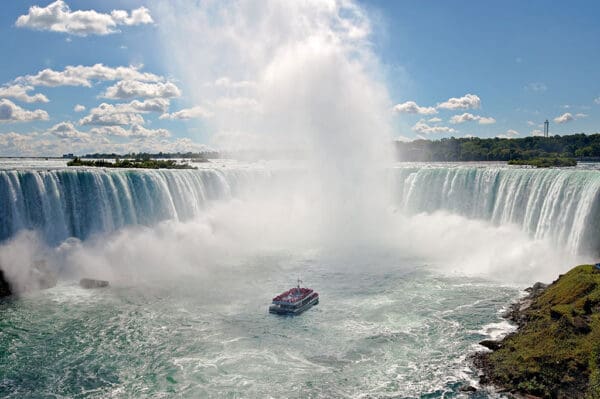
[[294, 301]]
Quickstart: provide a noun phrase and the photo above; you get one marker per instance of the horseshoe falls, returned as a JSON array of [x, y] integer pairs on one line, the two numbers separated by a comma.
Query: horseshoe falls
[[561, 205], [556, 204], [79, 203]]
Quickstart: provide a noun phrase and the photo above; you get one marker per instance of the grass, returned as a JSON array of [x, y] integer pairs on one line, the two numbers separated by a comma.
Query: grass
[[544, 162], [556, 353]]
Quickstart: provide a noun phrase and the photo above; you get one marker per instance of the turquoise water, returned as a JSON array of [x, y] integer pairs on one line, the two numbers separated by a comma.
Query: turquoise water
[[384, 328], [194, 258]]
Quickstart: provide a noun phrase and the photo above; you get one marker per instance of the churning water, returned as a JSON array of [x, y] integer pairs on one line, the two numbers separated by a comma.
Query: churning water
[[194, 260]]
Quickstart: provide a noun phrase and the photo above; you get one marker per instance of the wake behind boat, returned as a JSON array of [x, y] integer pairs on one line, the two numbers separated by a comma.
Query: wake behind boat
[[294, 301]]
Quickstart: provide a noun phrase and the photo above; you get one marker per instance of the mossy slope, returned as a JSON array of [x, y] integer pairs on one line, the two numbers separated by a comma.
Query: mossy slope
[[556, 351]]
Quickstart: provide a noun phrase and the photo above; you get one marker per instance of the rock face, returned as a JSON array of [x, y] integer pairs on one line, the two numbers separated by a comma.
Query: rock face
[[555, 352], [90, 283], [4, 286]]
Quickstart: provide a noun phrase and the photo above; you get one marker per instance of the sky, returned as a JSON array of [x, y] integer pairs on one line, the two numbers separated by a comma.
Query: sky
[[120, 76]]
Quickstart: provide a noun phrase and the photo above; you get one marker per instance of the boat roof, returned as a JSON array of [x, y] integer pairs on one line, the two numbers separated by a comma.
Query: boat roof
[[293, 295]]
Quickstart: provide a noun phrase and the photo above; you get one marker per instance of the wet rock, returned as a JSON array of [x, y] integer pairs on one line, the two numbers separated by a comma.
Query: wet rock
[[4, 286], [491, 344], [90, 283], [468, 388]]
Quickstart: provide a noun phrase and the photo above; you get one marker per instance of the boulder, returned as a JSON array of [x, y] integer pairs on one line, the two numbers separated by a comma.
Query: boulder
[[90, 283]]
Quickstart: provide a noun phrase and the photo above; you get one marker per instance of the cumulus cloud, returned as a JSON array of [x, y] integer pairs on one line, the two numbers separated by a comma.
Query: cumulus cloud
[[66, 130], [108, 114], [134, 131], [10, 112], [124, 114], [411, 107], [468, 101], [537, 132], [188, 113], [19, 92], [424, 128], [564, 118], [79, 108], [81, 75], [133, 88], [580, 115], [467, 117], [435, 119], [58, 17]]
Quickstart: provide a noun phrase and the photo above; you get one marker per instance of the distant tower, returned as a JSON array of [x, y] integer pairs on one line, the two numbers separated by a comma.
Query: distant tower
[[546, 128]]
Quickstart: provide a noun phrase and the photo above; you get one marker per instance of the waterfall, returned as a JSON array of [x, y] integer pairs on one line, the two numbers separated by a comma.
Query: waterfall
[[562, 205], [81, 202], [556, 204]]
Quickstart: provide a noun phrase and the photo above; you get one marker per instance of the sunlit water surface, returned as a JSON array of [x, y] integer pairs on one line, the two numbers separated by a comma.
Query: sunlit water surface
[[384, 328]]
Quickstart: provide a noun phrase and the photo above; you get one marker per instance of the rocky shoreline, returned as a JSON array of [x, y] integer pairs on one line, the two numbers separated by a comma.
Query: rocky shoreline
[[555, 351]]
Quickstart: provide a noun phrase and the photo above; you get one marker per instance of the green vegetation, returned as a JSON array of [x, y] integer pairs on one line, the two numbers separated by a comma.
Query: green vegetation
[[544, 162], [556, 351], [580, 146], [132, 163]]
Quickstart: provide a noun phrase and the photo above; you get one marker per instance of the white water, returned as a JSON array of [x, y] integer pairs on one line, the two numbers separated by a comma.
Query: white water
[[559, 205]]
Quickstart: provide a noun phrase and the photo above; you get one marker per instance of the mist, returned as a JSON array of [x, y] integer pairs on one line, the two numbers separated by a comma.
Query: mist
[[289, 80]]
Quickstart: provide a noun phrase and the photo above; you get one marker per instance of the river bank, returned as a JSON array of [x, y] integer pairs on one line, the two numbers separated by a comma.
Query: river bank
[[555, 352]]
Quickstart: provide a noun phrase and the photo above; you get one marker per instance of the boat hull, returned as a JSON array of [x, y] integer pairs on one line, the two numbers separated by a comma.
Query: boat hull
[[276, 309]]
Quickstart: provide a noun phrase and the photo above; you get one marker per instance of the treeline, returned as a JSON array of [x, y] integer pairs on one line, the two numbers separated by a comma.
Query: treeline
[[131, 163], [580, 146], [158, 155]]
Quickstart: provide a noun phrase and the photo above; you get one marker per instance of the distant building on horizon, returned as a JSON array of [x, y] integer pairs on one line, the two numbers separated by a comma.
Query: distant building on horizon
[[546, 128]]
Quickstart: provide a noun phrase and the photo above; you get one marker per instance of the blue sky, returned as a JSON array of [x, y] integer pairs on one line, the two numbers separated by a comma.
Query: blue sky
[[508, 66]]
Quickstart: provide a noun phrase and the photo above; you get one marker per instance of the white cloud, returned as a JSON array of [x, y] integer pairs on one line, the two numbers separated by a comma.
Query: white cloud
[[79, 108], [108, 114], [124, 114], [19, 92], [58, 17], [597, 100], [467, 117], [149, 105], [80, 75], [486, 120], [581, 115], [468, 101], [411, 107], [238, 103], [510, 133], [134, 131], [564, 118], [188, 113], [536, 86], [422, 127], [435, 119], [132, 88], [66, 130], [531, 123], [10, 112]]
